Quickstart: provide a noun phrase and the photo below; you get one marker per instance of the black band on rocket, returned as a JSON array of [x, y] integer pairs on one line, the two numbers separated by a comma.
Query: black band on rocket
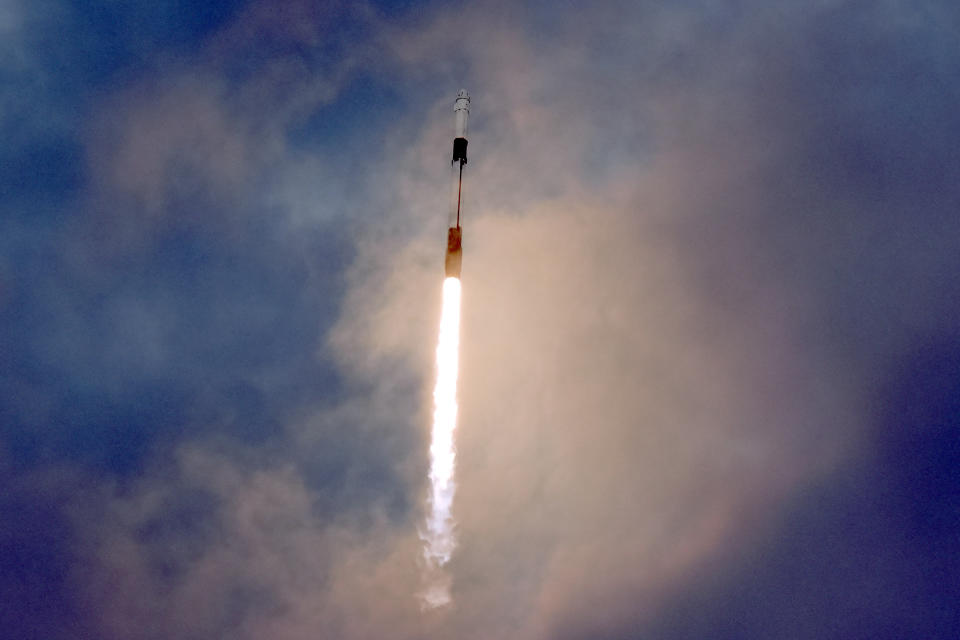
[[460, 150]]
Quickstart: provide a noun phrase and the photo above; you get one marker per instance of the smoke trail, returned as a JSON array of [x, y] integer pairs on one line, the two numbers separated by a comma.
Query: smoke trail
[[439, 538]]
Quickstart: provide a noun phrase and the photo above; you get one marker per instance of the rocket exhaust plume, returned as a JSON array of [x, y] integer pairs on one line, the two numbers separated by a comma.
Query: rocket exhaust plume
[[438, 536]]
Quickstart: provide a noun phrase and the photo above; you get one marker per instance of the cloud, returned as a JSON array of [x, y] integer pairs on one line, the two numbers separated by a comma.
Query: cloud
[[661, 346], [208, 545], [697, 241]]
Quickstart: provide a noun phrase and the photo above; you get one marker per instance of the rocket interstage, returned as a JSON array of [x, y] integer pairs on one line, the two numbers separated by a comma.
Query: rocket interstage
[[438, 535], [454, 255]]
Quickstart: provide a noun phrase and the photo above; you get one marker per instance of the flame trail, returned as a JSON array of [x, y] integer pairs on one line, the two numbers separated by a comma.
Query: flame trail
[[439, 538]]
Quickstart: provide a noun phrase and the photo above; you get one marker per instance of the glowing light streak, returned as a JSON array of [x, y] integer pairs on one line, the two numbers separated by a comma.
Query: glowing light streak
[[439, 540]]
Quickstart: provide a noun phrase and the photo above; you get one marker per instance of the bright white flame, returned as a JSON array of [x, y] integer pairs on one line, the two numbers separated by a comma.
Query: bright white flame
[[438, 537]]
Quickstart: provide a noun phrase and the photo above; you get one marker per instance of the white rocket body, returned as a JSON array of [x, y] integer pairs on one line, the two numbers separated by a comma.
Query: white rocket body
[[461, 113]]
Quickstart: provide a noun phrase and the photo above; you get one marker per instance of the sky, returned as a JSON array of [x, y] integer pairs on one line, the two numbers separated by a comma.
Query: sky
[[710, 346]]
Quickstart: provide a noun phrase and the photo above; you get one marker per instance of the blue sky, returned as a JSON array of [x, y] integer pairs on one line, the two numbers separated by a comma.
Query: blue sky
[[710, 360]]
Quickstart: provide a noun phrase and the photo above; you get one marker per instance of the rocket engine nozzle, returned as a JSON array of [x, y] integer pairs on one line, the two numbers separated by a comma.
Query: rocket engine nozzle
[[454, 256]]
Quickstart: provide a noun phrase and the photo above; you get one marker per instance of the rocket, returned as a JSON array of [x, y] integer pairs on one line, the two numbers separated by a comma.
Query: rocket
[[461, 111]]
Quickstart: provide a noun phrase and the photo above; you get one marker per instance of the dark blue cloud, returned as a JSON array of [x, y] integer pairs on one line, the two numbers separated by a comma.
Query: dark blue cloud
[[125, 352], [60, 55], [867, 552], [363, 109], [92, 44], [125, 335], [38, 557], [139, 355]]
